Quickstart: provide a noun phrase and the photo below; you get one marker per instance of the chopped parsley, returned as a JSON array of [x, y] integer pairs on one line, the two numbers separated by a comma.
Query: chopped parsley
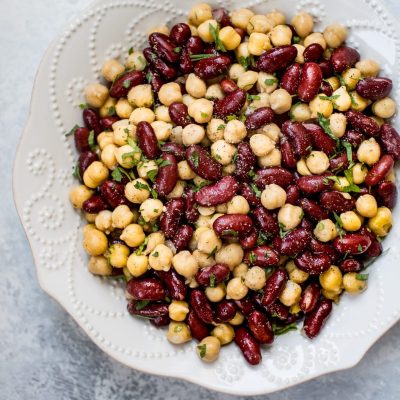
[[127, 83], [252, 257], [359, 248], [194, 158], [202, 350], [140, 186], [271, 81], [246, 62], [296, 39], [204, 115], [282, 230], [155, 254], [214, 31], [177, 49], [83, 106], [76, 173], [198, 57], [140, 249], [231, 117], [330, 98], [212, 280], [221, 127], [362, 277], [152, 174], [149, 77], [214, 250], [230, 232], [111, 109], [178, 328], [130, 51], [281, 330], [163, 163], [349, 153], [91, 141], [325, 125], [118, 173], [72, 131], [141, 304], [256, 190], [253, 97]]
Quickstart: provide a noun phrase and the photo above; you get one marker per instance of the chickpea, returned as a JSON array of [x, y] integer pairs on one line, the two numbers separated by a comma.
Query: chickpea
[[79, 194], [178, 333], [281, 101], [203, 221], [343, 102], [121, 217], [273, 159], [133, 235], [236, 289], [223, 152], [203, 259], [276, 17], [334, 82], [290, 216], [103, 221], [95, 242], [331, 279], [107, 156], [205, 31], [224, 333], [144, 167], [272, 131], [187, 99], [273, 196], [122, 132], [215, 294], [338, 123], [192, 134], [351, 77], [384, 108], [247, 80], [195, 86], [291, 294], [161, 258], [95, 174], [359, 103], [335, 35], [255, 278], [118, 255], [317, 162], [177, 191], [159, 29], [261, 100], [214, 92], [151, 209], [123, 108], [300, 53], [341, 183], [128, 155], [201, 110], [258, 43], [360, 171], [141, 96], [229, 38], [296, 274], [228, 169], [178, 310], [240, 271], [329, 294], [315, 37], [391, 176], [234, 132], [108, 107], [381, 223], [105, 138], [352, 285], [368, 68], [281, 35], [96, 94], [200, 13], [136, 61], [185, 264], [170, 93], [258, 23], [162, 114], [241, 17], [111, 69], [137, 264], [216, 129], [235, 71], [300, 112], [319, 105], [302, 168], [303, 24], [238, 205], [153, 240], [261, 145], [142, 114], [237, 319], [267, 83], [208, 349], [162, 130], [99, 265], [367, 206], [369, 152], [137, 191], [206, 210], [89, 217], [325, 230], [184, 171], [230, 254]]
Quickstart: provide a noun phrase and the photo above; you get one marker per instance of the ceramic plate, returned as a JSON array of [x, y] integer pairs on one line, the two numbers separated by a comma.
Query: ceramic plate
[[43, 175]]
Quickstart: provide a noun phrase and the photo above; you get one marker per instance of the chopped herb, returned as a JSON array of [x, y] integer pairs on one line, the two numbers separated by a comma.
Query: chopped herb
[[177, 49], [130, 51], [141, 304], [338, 220], [204, 115], [163, 163], [152, 174], [246, 62], [76, 174], [252, 257], [214, 31], [139, 185], [194, 158], [262, 238], [154, 194], [212, 280], [127, 83], [221, 127], [126, 130], [155, 210], [296, 39], [251, 174], [282, 230], [111, 110], [359, 248], [321, 226], [118, 173], [178, 328], [271, 81], [197, 57], [72, 131], [281, 330], [231, 117], [341, 80], [218, 157], [362, 277], [256, 190], [140, 249], [91, 141], [325, 125], [353, 101], [253, 97], [349, 152], [130, 154], [266, 255], [167, 299], [161, 142], [230, 232], [335, 179], [155, 228], [352, 187], [214, 250], [202, 350], [132, 143], [149, 77], [83, 106], [155, 254], [235, 156], [330, 98]]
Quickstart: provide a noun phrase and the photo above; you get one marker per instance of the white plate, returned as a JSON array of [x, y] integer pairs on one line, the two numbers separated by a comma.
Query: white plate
[[42, 177]]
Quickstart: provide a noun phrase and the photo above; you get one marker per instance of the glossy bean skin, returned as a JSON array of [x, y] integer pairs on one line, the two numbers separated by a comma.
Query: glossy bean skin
[[147, 140], [276, 59], [201, 306], [218, 193], [292, 194], [274, 287], [91, 120], [309, 297], [249, 240], [260, 327], [152, 310], [326, 88], [247, 192], [246, 305], [315, 320], [344, 57], [228, 86], [313, 264], [313, 53], [221, 15], [335, 202], [202, 163], [232, 225], [312, 184], [306, 224], [191, 212], [163, 47], [354, 137], [178, 113], [245, 161], [165, 70], [263, 256], [278, 310], [182, 237], [310, 81], [146, 289], [378, 172], [225, 311], [171, 217], [374, 88], [126, 82], [295, 242], [212, 274], [107, 122], [279, 176], [390, 140], [167, 176], [198, 328], [178, 150], [266, 221], [248, 345], [298, 136], [174, 282], [114, 193], [362, 123], [375, 249], [85, 159], [317, 247], [95, 204], [312, 209], [387, 194], [320, 140], [230, 104], [291, 78], [155, 80], [180, 33], [259, 118], [81, 139], [340, 162], [193, 46], [212, 67], [351, 265], [326, 68], [352, 243], [162, 320], [289, 159]]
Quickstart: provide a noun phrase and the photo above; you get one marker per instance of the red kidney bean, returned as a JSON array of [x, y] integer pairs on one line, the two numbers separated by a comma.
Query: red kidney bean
[[316, 319], [295, 242], [260, 327], [240, 31], [362, 123], [167, 176], [326, 68], [152, 310], [85, 159], [147, 140], [81, 138], [249, 240], [230, 104], [167, 71], [94, 204], [387, 194], [178, 113], [280, 119], [312, 184], [91, 120], [374, 88], [209, 48], [317, 247], [180, 33], [114, 193], [320, 140], [289, 159], [266, 221], [276, 59], [202, 163], [353, 137], [274, 287], [344, 57], [375, 249], [351, 265], [162, 320], [247, 192], [314, 264], [263, 256], [298, 136], [279, 176], [339, 163], [217, 193], [212, 67], [197, 327], [182, 237], [123, 84], [292, 194], [170, 218], [326, 88], [335, 202], [390, 140], [175, 284], [246, 305], [228, 86], [232, 225], [191, 212], [259, 118], [225, 311], [201, 306], [291, 78], [352, 243], [313, 52], [107, 122], [309, 297], [378, 172], [213, 274], [310, 81], [306, 224], [245, 161], [155, 80], [146, 289], [278, 310], [178, 150], [248, 345], [195, 45], [164, 47], [221, 15], [185, 63]]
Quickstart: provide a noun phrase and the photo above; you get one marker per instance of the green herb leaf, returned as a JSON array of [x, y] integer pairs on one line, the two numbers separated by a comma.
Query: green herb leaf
[[262, 238], [271, 81], [141, 304], [154, 194], [127, 83], [251, 174], [246, 62], [72, 131], [111, 110], [214, 31], [252, 257], [139, 185], [359, 248], [204, 115], [149, 77], [178, 328], [221, 127], [255, 189], [140, 249], [130, 51], [352, 187], [349, 153], [341, 80], [230, 232], [330, 98], [152, 174], [194, 158], [231, 117], [283, 231], [325, 125], [362, 277], [253, 97], [338, 220], [91, 141], [198, 57], [214, 250], [296, 39], [202, 350], [212, 280], [163, 163], [177, 49], [155, 254], [281, 330], [353, 101], [83, 106], [75, 173]]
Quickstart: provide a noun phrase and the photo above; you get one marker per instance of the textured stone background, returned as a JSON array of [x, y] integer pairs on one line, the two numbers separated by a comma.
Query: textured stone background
[[43, 353]]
